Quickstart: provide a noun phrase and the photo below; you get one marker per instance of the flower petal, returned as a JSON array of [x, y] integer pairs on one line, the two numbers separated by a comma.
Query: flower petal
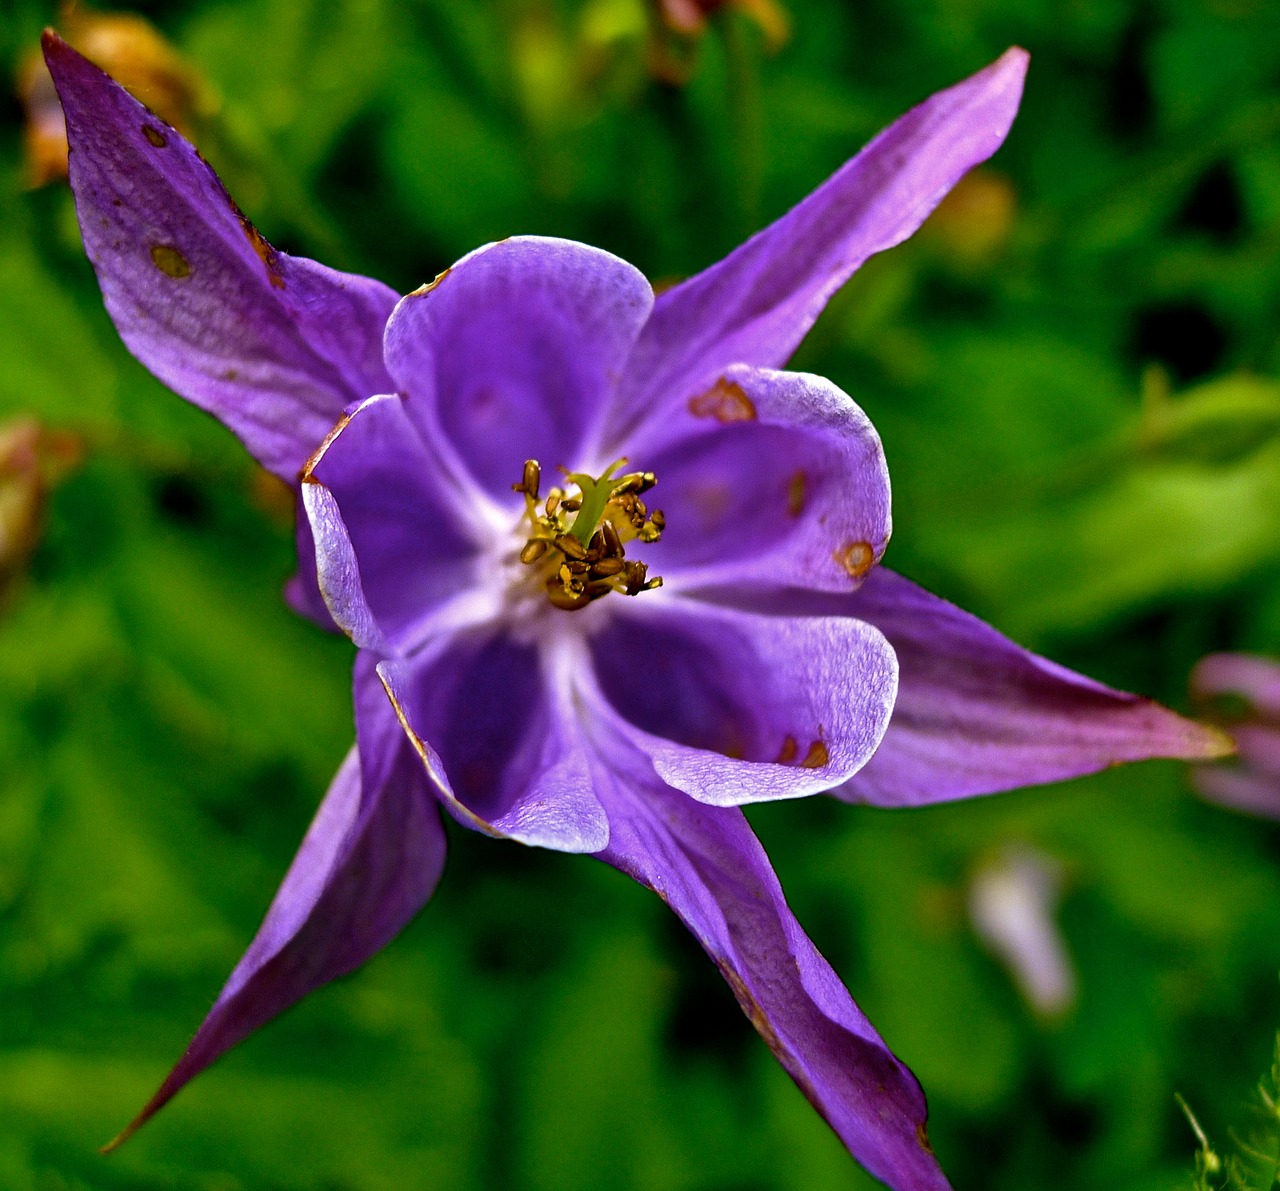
[[706, 864], [734, 708], [774, 479], [500, 741], [338, 572], [977, 714], [390, 549], [370, 860], [1250, 677], [756, 305], [302, 590], [274, 346], [511, 354], [1247, 786], [1258, 742]]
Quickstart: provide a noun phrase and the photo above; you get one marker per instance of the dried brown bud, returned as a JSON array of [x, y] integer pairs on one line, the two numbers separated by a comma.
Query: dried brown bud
[[32, 460], [130, 50]]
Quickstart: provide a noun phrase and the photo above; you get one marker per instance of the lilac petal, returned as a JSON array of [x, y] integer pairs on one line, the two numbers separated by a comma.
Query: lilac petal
[[302, 591], [1244, 787], [1254, 679], [771, 478], [338, 572], [370, 860], [705, 863], [500, 741], [735, 708], [512, 353], [1259, 745], [390, 550], [756, 305], [272, 345], [977, 714]]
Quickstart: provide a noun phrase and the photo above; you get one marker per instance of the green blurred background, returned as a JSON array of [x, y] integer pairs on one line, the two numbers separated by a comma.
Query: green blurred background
[[1074, 370]]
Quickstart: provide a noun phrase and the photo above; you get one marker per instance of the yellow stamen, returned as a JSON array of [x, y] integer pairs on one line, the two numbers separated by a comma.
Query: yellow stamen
[[577, 544]]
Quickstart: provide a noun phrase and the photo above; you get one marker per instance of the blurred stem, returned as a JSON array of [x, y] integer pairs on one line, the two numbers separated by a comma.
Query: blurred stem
[[746, 119], [1208, 1164]]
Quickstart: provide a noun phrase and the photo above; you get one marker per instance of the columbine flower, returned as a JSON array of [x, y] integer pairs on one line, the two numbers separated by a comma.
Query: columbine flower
[[487, 529], [1243, 692]]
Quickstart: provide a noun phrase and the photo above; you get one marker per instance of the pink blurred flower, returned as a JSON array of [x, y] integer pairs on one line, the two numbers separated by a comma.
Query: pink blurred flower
[[1242, 692]]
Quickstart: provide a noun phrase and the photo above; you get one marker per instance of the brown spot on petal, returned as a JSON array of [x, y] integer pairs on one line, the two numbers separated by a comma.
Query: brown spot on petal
[[788, 752], [922, 1136], [856, 557], [797, 493], [726, 401], [155, 136], [426, 288], [170, 261], [429, 763], [751, 1007], [714, 501], [266, 253], [318, 454], [816, 757]]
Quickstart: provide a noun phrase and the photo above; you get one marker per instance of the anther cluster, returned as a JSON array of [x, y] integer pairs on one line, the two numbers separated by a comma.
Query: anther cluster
[[578, 542]]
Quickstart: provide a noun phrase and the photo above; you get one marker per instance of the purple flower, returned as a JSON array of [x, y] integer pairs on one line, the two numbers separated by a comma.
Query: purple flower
[[1243, 692], [486, 527]]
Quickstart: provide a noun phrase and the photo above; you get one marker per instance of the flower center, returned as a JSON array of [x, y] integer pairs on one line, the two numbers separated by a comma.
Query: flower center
[[576, 544]]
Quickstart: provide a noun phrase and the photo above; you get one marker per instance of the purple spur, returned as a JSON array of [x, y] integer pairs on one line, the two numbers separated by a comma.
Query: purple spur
[[542, 652]]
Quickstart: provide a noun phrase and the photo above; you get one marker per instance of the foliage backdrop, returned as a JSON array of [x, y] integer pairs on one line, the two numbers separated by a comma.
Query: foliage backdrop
[[1075, 376]]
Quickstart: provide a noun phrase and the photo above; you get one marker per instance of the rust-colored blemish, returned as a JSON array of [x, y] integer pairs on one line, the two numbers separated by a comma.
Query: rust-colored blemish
[[797, 493], [922, 1136], [713, 500], [788, 752], [428, 286], [311, 464], [266, 254], [751, 1007], [856, 558], [155, 136], [424, 755], [726, 401], [170, 261], [816, 757]]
